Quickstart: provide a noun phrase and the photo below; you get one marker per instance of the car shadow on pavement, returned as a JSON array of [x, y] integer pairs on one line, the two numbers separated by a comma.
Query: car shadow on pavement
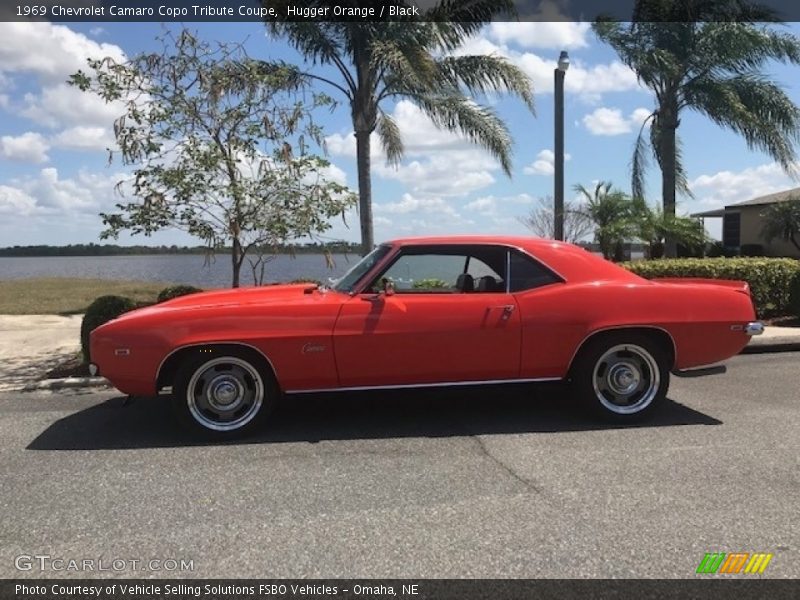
[[148, 422]]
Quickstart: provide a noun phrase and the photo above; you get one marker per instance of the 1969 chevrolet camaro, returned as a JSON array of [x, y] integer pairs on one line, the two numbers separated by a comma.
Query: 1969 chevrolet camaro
[[429, 312]]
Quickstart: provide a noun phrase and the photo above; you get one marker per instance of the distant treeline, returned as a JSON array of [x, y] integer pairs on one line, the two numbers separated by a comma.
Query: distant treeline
[[114, 250]]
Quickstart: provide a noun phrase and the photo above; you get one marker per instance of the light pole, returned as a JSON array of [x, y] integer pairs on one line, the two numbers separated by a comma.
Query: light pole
[[558, 209]]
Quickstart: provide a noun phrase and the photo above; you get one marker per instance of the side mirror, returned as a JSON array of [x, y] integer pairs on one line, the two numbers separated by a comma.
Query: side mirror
[[388, 286]]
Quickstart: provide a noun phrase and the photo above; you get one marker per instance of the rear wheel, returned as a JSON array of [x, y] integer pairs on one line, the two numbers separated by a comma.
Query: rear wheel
[[223, 393], [621, 377]]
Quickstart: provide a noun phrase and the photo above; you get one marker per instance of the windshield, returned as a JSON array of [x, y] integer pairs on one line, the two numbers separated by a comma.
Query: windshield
[[350, 279]]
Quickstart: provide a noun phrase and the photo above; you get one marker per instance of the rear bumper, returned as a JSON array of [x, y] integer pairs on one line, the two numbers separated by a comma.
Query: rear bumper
[[754, 328]]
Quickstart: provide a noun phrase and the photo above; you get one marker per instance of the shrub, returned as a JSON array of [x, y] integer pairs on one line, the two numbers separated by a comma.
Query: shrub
[[102, 310], [174, 291], [432, 284], [305, 280], [794, 296], [770, 279]]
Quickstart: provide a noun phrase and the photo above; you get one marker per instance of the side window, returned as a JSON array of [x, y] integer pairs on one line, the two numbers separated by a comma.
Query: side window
[[448, 270], [527, 274], [425, 273]]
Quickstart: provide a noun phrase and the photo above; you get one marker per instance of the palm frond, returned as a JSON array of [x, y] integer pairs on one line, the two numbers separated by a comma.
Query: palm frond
[[481, 74], [478, 124], [391, 140], [755, 108], [456, 20], [740, 47], [412, 67], [640, 161]]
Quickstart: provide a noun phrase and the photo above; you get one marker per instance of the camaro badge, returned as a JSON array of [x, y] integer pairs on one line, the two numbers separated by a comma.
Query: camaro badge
[[312, 347]]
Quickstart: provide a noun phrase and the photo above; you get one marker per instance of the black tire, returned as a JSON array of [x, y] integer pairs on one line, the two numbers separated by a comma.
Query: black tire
[[233, 391], [621, 377]]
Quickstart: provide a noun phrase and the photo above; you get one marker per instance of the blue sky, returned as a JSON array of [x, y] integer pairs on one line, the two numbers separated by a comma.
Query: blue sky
[[54, 176]]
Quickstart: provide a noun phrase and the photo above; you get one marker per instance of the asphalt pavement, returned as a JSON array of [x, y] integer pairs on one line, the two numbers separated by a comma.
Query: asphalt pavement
[[500, 482]]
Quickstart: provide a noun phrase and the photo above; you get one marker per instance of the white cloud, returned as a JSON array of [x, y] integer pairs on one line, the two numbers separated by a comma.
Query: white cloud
[[48, 54], [84, 137], [14, 201], [5, 101], [455, 173], [587, 82], [486, 205], [64, 106], [28, 147], [611, 121], [541, 34], [84, 193], [413, 204], [729, 187], [438, 162], [51, 52], [490, 205], [544, 163]]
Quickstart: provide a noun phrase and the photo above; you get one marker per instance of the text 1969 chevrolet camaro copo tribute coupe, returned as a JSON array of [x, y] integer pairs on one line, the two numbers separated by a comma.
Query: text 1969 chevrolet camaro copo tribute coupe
[[429, 312]]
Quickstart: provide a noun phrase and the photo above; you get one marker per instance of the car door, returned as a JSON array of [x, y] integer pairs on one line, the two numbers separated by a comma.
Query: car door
[[434, 327]]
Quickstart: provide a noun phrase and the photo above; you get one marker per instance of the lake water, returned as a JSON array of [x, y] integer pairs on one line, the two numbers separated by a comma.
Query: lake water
[[173, 268]]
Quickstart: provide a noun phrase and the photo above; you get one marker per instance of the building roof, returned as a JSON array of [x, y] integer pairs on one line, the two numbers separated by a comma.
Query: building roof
[[784, 196]]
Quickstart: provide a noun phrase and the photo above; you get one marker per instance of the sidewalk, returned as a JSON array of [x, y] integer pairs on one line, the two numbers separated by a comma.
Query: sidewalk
[[30, 345], [775, 339]]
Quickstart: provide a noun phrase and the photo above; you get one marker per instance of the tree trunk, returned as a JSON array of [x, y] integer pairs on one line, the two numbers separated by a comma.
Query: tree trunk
[[668, 123], [236, 260], [364, 191]]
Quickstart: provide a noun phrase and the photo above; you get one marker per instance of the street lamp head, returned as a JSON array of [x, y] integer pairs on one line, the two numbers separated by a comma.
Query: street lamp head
[[563, 61]]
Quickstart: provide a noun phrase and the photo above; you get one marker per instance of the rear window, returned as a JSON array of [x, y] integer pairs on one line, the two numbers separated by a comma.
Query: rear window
[[528, 274]]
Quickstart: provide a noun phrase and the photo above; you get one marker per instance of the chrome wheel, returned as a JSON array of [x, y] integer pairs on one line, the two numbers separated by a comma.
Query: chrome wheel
[[626, 379], [225, 393]]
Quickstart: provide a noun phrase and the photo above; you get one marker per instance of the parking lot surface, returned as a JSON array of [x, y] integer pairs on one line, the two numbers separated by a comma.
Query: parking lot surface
[[496, 482]]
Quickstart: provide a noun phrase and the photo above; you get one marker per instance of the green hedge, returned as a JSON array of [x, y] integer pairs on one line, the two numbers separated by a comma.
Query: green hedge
[[770, 279], [102, 310], [794, 297], [175, 291]]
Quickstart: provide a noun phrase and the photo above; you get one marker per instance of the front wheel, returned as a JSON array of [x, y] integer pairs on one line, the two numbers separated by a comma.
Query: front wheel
[[621, 377], [222, 394]]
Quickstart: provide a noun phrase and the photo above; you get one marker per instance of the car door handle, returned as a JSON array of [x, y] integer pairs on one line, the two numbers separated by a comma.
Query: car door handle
[[507, 310]]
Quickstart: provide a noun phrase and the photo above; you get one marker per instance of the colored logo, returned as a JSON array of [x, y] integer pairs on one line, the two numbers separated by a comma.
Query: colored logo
[[734, 562]]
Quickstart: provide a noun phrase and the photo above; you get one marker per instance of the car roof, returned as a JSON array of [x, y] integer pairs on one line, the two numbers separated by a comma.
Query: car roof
[[571, 262]]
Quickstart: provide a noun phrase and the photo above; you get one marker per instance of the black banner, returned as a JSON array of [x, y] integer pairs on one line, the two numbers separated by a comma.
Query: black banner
[[179, 11], [403, 589]]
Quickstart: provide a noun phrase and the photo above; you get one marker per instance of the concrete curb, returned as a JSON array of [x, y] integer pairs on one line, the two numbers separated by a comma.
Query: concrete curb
[[67, 383], [773, 344]]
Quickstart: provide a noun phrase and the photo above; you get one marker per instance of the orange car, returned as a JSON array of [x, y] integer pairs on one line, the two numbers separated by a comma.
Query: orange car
[[437, 311]]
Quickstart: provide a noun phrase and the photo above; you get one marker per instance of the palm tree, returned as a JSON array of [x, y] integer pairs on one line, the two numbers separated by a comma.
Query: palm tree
[[707, 56], [782, 221], [652, 226], [612, 213], [413, 59]]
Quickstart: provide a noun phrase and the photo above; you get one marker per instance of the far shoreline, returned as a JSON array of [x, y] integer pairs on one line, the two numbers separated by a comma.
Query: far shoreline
[[96, 250]]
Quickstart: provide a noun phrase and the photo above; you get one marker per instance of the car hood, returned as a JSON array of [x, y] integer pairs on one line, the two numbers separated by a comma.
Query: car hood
[[250, 295], [239, 297]]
